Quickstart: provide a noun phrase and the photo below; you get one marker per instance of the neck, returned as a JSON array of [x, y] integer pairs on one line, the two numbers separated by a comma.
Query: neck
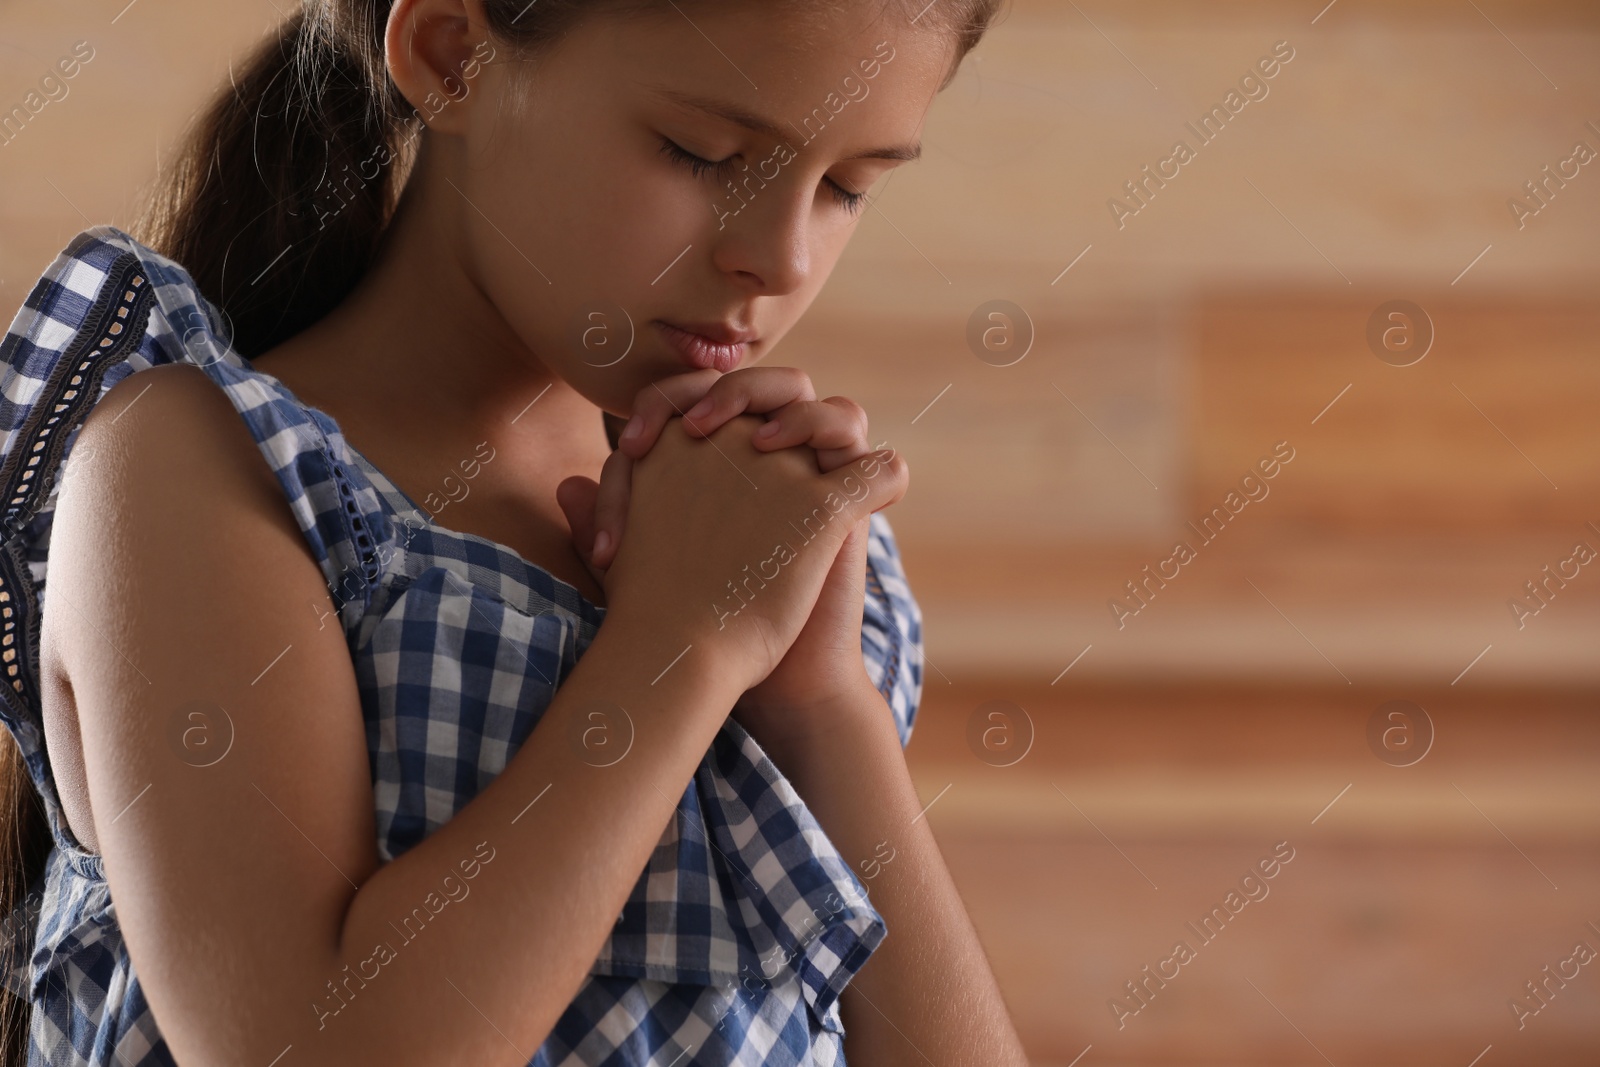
[[418, 351]]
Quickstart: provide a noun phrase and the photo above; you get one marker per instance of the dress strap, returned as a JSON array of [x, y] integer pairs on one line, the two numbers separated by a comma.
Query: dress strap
[[338, 509], [82, 320], [109, 307]]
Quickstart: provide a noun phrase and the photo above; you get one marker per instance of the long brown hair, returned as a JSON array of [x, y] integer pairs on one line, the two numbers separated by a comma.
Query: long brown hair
[[275, 206], [24, 847]]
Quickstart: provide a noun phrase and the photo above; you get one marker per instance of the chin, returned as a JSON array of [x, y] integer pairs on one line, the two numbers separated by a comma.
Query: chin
[[616, 395]]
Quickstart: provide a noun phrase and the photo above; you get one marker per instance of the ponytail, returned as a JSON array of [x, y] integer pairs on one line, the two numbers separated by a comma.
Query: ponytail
[[286, 181], [277, 203], [24, 848]]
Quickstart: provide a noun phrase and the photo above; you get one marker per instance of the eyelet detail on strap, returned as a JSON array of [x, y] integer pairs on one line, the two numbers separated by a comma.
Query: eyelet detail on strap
[[368, 561]]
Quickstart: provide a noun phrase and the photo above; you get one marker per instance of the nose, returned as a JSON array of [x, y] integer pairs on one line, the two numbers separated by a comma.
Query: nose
[[765, 244]]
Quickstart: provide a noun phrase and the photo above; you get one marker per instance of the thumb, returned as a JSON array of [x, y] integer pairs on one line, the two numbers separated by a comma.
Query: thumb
[[576, 496], [872, 482], [844, 589], [851, 562]]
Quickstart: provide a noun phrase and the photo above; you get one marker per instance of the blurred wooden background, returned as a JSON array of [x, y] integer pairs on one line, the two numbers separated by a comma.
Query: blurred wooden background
[[1229, 314]]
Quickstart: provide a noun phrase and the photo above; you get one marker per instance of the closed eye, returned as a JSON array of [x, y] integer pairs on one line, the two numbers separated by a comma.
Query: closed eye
[[723, 168], [851, 201]]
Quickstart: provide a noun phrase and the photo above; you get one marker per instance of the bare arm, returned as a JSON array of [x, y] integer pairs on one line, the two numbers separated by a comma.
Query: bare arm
[[245, 887], [927, 995]]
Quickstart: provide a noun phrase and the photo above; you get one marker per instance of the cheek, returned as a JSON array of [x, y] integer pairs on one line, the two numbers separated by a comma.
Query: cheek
[[587, 209], [552, 237]]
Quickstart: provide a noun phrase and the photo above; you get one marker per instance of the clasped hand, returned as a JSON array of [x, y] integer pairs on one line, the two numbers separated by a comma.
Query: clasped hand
[[823, 667]]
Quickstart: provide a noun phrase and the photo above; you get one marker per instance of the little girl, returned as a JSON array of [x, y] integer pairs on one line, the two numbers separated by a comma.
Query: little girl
[[363, 779]]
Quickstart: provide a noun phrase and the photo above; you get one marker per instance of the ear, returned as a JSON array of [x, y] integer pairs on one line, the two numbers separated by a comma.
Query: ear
[[436, 50]]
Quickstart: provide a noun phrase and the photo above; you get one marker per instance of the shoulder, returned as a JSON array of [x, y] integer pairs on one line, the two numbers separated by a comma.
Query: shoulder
[[166, 503], [170, 428]]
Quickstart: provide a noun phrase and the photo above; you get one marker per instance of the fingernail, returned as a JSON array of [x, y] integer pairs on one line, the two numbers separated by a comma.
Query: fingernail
[[602, 541], [633, 429], [702, 408], [767, 430]]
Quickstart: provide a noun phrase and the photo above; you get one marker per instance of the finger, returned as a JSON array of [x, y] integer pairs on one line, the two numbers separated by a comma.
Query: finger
[[835, 427], [873, 481], [576, 496], [755, 390], [659, 401], [611, 507]]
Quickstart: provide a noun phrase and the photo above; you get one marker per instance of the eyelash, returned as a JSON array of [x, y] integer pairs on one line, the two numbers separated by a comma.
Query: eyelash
[[851, 202]]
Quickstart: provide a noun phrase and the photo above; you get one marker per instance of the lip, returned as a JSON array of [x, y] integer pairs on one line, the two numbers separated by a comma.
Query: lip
[[708, 346]]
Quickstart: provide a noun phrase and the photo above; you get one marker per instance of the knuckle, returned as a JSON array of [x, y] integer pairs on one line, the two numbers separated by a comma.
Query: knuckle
[[853, 411], [894, 473], [671, 396], [902, 476], [647, 400], [736, 393], [653, 408], [798, 381]]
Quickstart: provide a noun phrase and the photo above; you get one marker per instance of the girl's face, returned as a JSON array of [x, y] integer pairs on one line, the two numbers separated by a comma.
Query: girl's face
[[587, 218]]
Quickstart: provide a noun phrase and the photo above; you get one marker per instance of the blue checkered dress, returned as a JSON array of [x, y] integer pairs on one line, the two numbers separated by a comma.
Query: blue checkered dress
[[742, 930]]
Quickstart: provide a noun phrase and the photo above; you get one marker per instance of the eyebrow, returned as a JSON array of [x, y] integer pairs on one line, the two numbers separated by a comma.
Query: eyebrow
[[757, 124]]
